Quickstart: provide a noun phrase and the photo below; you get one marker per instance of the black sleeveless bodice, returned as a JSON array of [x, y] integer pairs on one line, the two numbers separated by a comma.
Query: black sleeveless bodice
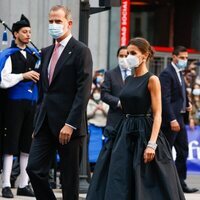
[[132, 96]]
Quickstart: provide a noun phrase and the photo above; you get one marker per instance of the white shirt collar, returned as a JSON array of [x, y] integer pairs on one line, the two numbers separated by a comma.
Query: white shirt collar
[[122, 69], [175, 67], [66, 40], [177, 71]]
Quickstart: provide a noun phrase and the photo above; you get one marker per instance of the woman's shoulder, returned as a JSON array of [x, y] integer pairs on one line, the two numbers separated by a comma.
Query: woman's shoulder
[[153, 80], [153, 77]]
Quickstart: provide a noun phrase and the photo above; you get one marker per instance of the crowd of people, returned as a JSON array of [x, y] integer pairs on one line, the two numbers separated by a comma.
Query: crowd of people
[[192, 78], [142, 116]]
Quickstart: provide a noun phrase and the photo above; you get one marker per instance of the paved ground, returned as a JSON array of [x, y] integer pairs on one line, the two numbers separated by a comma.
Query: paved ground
[[56, 191], [193, 181]]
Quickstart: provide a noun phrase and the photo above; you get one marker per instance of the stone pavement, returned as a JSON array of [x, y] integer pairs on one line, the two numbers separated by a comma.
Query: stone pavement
[[193, 180], [195, 196], [57, 192]]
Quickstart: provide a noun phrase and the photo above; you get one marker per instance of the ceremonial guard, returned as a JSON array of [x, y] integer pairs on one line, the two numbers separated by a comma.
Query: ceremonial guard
[[19, 78]]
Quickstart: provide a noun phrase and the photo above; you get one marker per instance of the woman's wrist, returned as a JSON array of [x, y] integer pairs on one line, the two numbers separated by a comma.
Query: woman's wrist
[[152, 145]]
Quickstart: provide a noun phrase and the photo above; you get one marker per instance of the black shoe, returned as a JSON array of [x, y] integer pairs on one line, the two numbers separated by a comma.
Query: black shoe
[[7, 193], [25, 191], [186, 189]]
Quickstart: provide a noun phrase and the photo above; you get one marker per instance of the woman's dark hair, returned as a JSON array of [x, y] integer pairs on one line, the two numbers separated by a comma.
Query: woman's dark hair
[[143, 45]]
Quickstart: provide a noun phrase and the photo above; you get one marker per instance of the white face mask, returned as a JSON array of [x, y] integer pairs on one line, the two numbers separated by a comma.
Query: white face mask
[[56, 30], [123, 63], [196, 92], [96, 96], [133, 61]]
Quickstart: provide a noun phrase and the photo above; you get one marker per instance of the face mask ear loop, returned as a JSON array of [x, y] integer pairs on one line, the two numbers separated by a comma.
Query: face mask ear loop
[[142, 60]]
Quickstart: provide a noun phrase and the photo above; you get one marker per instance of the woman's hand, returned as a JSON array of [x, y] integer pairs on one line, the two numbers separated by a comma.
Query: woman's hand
[[100, 107], [149, 154]]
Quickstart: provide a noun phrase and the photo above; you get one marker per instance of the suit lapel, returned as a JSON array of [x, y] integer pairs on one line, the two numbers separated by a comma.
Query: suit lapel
[[176, 77], [64, 57], [46, 64], [118, 76]]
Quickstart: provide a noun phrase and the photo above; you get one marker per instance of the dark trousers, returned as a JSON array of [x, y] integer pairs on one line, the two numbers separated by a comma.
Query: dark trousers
[[180, 142], [18, 126], [41, 155]]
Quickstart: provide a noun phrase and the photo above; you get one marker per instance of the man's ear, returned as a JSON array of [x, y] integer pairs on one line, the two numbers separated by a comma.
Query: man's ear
[[174, 58], [70, 23], [15, 34]]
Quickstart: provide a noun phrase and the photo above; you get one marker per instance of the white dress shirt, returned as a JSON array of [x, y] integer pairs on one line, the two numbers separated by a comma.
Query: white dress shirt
[[9, 79], [123, 73], [179, 78], [63, 43], [177, 72]]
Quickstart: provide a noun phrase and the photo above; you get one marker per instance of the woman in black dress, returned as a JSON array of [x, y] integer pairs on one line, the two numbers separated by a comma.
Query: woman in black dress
[[136, 162]]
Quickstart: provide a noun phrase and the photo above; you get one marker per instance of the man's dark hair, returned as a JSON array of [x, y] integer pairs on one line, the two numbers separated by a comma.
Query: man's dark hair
[[179, 49], [120, 48]]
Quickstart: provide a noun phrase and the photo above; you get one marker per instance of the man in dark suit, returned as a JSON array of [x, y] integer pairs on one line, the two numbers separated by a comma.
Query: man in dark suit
[[175, 104], [112, 86], [64, 93]]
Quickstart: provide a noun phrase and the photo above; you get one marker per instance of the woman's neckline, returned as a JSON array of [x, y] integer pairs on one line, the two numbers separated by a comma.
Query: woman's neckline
[[141, 75]]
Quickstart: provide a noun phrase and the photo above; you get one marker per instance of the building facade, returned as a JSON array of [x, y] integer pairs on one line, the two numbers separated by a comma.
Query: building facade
[[164, 23], [37, 12]]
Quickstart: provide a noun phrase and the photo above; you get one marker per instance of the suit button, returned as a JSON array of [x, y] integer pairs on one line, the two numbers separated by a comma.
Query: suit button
[[29, 69], [5, 129]]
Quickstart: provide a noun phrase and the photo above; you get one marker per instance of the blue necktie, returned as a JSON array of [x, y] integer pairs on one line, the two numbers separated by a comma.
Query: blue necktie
[[125, 73]]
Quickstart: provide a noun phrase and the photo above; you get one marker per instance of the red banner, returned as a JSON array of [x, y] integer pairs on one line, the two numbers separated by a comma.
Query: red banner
[[125, 22]]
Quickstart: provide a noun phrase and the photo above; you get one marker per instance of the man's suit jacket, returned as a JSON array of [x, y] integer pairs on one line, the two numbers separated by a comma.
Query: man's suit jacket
[[65, 99], [110, 91], [172, 97]]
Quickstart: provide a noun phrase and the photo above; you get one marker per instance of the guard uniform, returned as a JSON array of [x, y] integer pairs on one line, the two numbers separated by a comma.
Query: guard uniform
[[20, 107]]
